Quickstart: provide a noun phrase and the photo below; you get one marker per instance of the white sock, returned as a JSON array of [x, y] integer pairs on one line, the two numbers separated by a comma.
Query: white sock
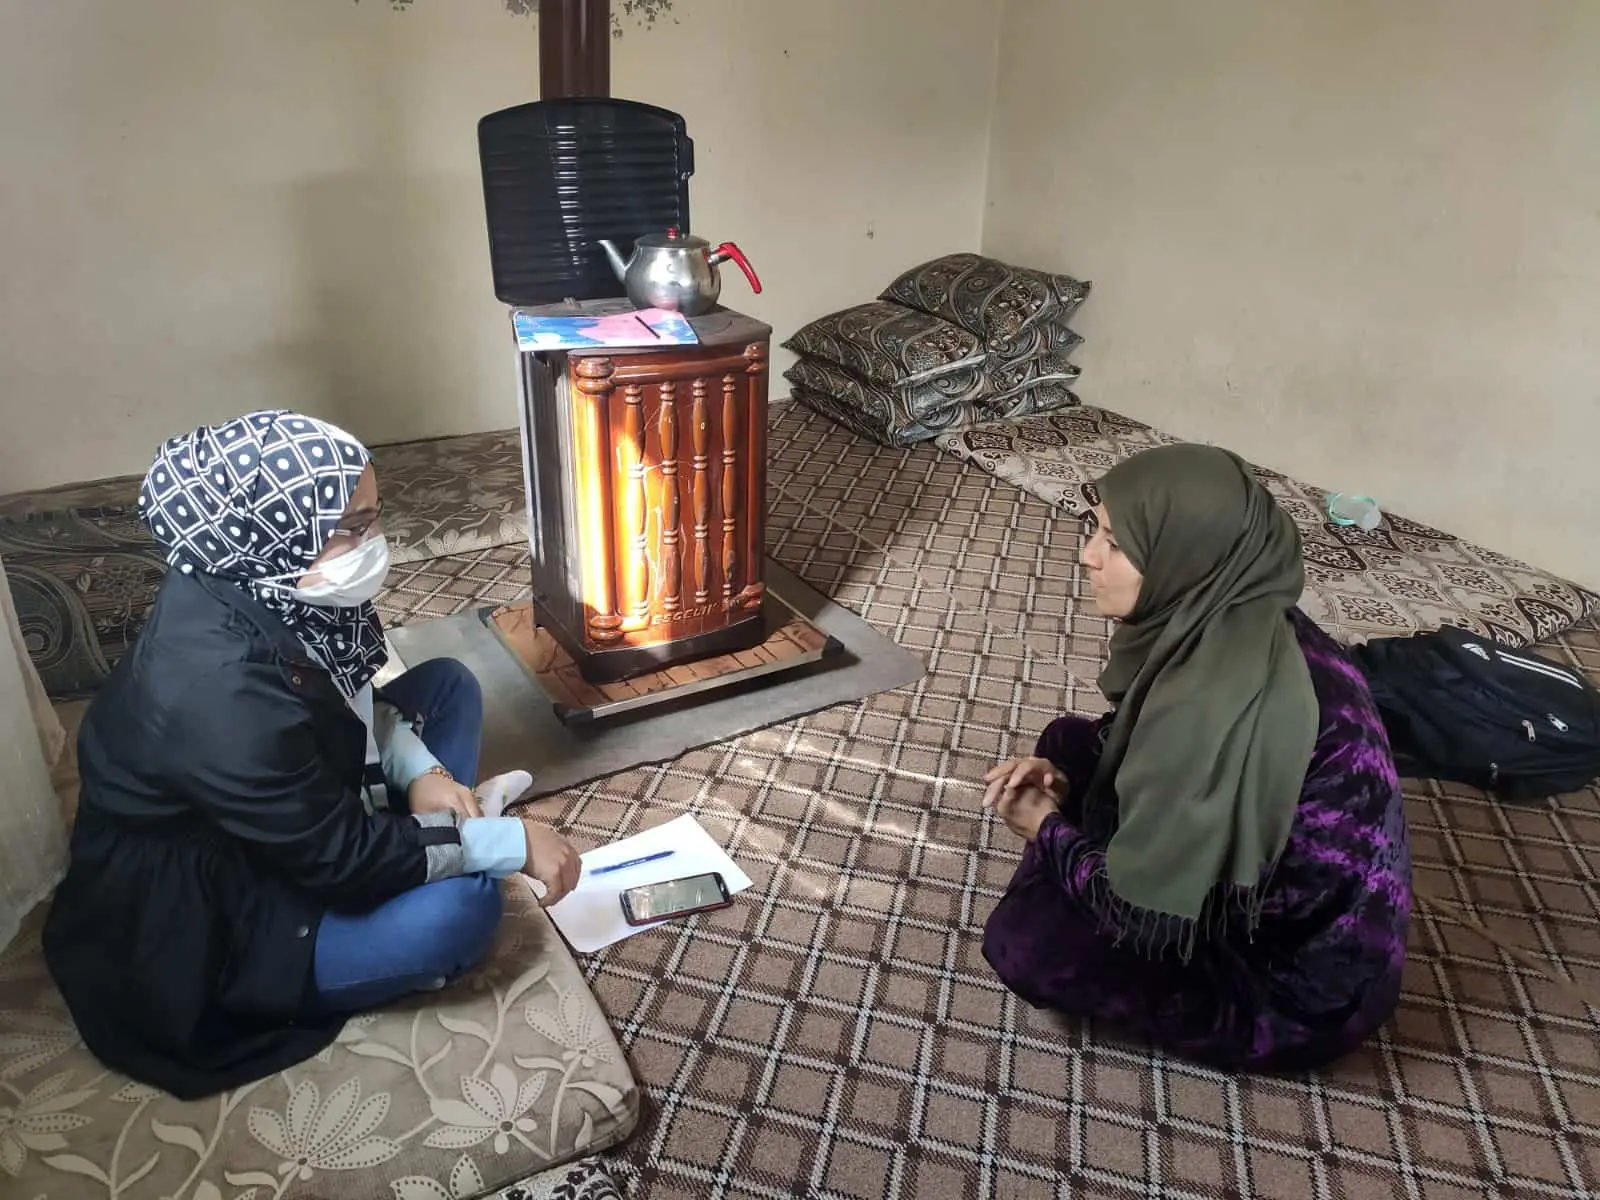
[[494, 794]]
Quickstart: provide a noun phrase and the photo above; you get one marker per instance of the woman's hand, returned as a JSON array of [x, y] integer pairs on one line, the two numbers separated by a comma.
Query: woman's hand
[[1018, 773], [1024, 810], [433, 791], [551, 860]]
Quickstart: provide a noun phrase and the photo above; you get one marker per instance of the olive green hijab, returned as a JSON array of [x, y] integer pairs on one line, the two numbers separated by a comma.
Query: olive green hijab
[[1216, 718]]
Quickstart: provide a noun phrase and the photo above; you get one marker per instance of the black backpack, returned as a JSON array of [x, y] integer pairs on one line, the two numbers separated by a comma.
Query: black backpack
[[1459, 707]]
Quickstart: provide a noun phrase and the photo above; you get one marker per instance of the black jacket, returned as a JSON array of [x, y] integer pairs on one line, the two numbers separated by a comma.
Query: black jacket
[[220, 817]]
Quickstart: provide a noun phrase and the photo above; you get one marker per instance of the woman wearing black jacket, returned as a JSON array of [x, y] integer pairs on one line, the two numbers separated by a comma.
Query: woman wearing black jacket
[[239, 879]]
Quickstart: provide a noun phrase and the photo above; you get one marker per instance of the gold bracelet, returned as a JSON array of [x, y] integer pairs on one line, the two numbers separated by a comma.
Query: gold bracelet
[[438, 769]]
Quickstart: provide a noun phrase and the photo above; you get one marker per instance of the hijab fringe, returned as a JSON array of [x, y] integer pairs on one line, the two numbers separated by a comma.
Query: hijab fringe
[[1154, 935]]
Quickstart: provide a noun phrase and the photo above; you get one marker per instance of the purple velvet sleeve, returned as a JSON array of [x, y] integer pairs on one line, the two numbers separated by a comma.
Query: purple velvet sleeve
[[1073, 745], [1072, 858], [1075, 859], [1078, 866]]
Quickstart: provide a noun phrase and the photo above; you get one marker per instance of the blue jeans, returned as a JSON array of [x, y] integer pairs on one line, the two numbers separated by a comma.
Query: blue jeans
[[425, 937]]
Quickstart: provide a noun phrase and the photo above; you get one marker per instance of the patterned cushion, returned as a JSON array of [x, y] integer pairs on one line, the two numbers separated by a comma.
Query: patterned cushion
[[83, 582], [450, 496], [1399, 578], [847, 413], [1047, 339], [1004, 376], [1017, 311], [588, 1179], [891, 345], [509, 1071], [887, 416], [906, 415]]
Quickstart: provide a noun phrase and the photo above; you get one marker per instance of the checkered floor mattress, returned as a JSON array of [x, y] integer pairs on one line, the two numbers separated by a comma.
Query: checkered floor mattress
[[837, 1034]]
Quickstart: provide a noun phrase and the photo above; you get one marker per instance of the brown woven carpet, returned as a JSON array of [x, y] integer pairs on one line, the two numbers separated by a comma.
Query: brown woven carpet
[[836, 1033]]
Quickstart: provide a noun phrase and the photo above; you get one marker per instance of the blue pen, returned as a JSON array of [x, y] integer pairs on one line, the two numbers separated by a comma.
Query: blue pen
[[634, 862]]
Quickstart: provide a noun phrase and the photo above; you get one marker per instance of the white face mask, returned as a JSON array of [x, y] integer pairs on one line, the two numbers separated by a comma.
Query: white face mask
[[348, 581]]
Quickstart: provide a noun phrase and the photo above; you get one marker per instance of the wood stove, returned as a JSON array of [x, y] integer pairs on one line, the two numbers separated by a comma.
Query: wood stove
[[646, 469], [646, 474]]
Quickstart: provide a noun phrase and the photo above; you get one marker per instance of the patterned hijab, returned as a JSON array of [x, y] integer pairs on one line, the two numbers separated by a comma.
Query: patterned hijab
[[1216, 716], [258, 497]]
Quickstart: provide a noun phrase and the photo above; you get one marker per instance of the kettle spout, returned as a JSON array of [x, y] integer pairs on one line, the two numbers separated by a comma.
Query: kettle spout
[[612, 253]]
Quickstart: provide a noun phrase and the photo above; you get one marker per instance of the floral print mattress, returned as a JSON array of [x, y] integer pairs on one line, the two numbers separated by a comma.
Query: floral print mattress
[[1397, 579], [510, 1071]]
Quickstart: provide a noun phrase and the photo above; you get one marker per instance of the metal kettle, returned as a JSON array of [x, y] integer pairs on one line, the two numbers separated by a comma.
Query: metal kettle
[[676, 271]]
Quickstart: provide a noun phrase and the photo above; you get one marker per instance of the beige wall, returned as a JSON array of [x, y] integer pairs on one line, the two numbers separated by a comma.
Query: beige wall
[[212, 205], [1358, 241], [837, 141]]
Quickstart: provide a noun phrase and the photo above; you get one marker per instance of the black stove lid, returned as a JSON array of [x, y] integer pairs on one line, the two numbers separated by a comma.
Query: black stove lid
[[558, 175]]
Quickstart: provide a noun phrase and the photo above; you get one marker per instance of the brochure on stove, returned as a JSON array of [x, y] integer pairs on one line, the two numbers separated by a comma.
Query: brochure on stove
[[600, 324]]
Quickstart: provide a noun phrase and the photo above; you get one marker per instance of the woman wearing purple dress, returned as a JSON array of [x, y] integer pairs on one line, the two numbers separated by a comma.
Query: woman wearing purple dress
[[1220, 865]]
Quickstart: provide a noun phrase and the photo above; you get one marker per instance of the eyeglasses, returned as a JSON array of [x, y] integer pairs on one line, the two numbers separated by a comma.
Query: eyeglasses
[[1089, 522], [360, 526]]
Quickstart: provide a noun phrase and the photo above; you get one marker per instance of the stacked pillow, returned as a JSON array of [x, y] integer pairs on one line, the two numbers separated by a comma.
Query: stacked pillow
[[889, 372], [955, 342], [1019, 313]]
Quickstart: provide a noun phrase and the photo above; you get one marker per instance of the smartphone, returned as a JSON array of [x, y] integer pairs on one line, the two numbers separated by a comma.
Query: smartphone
[[654, 902]]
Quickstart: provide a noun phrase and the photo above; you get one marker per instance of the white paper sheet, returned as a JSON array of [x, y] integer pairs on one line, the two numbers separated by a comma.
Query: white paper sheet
[[590, 916]]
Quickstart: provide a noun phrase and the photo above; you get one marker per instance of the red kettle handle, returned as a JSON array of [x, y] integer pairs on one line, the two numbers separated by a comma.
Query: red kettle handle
[[729, 250]]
